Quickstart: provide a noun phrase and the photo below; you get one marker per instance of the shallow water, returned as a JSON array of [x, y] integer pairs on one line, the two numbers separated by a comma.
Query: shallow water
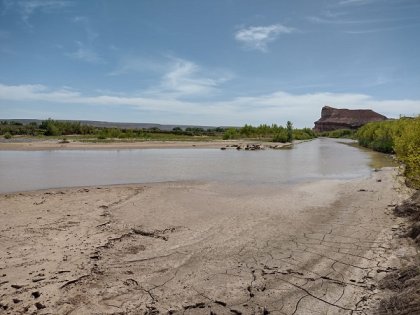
[[318, 159]]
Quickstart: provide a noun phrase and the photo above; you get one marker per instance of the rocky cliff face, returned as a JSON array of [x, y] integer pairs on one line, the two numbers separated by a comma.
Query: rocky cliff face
[[334, 118]]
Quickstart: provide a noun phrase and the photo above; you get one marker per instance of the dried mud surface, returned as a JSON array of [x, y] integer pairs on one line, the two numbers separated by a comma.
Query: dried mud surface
[[401, 288], [200, 248]]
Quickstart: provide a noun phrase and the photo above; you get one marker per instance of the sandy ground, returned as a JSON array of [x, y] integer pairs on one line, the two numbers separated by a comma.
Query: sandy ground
[[200, 248], [36, 145]]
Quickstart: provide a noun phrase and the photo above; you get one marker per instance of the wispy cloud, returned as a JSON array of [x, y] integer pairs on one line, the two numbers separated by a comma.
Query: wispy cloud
[[26, 8], [132, 63], [349, 22], [279, 106], [85, 49], [329, 20], [382, 29], [187, 78], [85, 53], [258, 37], [84, 22], [174, 76], [355, 2]]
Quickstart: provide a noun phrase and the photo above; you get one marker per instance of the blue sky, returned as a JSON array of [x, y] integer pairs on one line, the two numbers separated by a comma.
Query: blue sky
[[212, 62]]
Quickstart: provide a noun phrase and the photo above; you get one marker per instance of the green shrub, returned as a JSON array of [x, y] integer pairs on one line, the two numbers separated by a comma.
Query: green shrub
[[102, 135], [339, 133], [407, 148], [400, 136], [281, 136], [289, 128], [379, 136], [7, 135], [303, 134], [231, 133]]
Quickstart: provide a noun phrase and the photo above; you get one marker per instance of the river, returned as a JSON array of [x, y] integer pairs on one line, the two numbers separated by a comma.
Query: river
[[317, 159]]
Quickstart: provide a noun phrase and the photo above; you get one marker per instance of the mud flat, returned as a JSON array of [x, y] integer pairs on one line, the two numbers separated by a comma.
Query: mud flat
[[201, 248]]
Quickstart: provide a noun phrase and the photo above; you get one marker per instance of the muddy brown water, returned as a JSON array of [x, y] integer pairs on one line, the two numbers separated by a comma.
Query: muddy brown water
[[318, 159]]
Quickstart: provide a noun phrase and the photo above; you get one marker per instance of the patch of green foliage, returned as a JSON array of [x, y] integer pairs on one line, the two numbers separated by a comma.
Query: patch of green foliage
[[7, 135], [304, 134], [17, 128], [289, 128], [81, 132], [273, 133], [401, 137], [55, 128], [282, 135], [379, 136], [339, 133], [231, 133]]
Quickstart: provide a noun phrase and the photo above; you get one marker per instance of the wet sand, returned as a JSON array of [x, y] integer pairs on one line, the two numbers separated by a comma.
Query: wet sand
[[200, 248]]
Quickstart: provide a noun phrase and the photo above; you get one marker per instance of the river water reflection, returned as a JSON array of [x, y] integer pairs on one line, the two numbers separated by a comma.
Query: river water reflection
[[318, 159]]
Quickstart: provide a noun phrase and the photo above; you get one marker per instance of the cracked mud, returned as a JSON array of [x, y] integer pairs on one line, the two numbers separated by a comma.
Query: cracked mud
[[199, 248]]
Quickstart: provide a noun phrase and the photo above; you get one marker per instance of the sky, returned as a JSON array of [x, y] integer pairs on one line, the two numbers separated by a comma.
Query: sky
[[208, 62]]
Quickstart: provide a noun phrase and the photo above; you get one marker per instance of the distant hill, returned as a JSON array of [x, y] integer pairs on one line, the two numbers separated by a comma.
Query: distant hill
[[335, 118], [123, 125]]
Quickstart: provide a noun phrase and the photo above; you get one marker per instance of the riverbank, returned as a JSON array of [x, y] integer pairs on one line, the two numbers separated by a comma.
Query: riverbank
[[400, 289], [38, 145], [201, 247]]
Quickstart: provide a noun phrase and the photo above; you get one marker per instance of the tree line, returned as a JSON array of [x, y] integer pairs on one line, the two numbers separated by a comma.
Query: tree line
[[274, 132], [51, 127]]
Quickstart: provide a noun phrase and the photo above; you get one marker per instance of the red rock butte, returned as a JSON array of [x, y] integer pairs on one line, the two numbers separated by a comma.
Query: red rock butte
[[335, 118]]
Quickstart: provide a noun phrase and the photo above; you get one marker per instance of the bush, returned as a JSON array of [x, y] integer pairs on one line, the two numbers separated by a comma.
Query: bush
[[303, 134], [379, 136], [400, 136], [102, 135], [52, 130], [7, 135], [407, 148], [231, 133], [339, 133], [281, 136], [289, 127]]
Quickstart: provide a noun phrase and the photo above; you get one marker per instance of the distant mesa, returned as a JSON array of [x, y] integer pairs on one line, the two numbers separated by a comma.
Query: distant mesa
[[335, 118]]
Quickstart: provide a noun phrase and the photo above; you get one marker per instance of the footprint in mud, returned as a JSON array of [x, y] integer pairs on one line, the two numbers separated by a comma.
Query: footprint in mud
[[134, 249]]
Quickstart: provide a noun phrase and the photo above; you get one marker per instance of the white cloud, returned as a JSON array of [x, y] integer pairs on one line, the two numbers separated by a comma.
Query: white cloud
[[257, 37], [85, 54], [175, 77], [187, 78], [278, 107]]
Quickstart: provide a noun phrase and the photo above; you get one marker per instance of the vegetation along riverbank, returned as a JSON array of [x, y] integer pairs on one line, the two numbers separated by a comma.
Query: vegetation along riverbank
[[75, 130], [402, 137]]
